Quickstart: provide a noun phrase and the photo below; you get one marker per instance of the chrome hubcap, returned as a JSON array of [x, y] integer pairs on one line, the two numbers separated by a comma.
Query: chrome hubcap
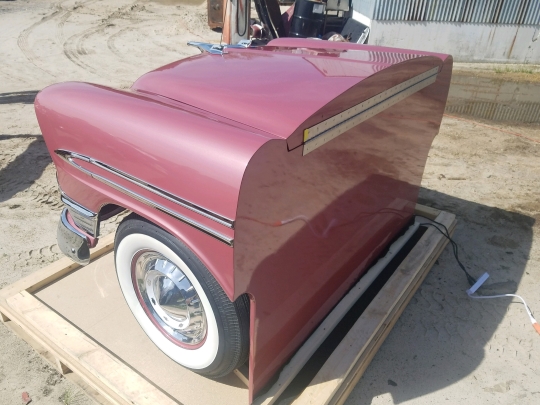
[[169, 298]]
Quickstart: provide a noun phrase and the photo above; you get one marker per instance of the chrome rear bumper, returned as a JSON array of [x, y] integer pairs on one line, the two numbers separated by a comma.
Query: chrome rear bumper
[[72, 242]]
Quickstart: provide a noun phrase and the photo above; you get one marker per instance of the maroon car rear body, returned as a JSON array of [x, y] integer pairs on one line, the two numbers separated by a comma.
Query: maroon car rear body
[[288, 168]]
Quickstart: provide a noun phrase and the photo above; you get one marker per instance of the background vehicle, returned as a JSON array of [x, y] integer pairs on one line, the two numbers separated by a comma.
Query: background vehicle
[[305, 18]]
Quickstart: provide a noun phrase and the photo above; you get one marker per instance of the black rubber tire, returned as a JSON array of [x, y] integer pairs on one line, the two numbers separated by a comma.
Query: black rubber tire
[[232, 318]]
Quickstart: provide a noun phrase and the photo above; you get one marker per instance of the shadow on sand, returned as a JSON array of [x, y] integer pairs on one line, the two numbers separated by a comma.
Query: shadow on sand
[[25, 169], [25, 97], [442, 336]]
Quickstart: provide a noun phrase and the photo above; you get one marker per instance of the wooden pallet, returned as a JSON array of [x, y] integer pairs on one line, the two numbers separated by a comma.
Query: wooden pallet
[[109, 380]]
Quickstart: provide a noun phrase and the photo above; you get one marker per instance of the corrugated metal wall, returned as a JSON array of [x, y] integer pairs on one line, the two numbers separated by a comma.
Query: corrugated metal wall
[[518, 112], [524, 12]]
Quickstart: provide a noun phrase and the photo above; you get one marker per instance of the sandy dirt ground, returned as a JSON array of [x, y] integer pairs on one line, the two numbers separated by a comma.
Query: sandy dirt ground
[[445, 348]]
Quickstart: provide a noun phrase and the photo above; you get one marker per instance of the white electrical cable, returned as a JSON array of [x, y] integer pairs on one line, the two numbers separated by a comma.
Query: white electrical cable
[[478, 283], [481, 280]]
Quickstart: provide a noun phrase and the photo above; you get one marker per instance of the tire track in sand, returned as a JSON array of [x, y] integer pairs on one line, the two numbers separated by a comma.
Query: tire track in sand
[[22, 40], [47, 196], [74, 49], [111, 41], [60, 27]]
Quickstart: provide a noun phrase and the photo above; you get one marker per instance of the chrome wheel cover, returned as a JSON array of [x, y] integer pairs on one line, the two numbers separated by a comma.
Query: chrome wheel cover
[[169, 299]]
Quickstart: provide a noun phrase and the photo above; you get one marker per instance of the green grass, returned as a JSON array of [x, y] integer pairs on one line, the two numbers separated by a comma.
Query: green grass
[[70, 397], [516, 70]]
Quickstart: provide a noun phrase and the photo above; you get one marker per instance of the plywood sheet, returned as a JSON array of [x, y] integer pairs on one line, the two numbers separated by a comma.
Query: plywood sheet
[[90, 298]]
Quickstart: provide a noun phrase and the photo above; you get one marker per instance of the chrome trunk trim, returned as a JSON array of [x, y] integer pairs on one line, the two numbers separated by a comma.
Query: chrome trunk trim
[[329, 129], [70, 156], [71, 241]]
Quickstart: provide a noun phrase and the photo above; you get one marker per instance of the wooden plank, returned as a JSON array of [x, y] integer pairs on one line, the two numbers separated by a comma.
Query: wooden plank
[[52, 360], [363, 362], [426, 211], [64, 345], [243, 374], [79, 353], [51, 348], [376, 321]]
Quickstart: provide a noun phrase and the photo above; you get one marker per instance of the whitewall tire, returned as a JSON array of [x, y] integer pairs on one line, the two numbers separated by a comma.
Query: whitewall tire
[[177, 302]]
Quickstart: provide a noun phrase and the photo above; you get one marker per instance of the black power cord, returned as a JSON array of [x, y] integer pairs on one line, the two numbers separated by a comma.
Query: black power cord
[[446, 234]]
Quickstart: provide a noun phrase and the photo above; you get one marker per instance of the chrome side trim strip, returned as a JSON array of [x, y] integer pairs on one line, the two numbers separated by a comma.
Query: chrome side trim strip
[[229, 223], [329, 129], [69, 156]]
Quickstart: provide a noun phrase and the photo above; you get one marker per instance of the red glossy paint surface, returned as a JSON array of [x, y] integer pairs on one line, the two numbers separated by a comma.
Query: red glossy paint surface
[[273, 89], [167, 145], [225, 132], [307, 227], [376, 51], [187, 152]]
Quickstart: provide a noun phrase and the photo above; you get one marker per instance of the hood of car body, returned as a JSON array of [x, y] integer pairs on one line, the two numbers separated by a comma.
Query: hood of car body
[[271, 88]]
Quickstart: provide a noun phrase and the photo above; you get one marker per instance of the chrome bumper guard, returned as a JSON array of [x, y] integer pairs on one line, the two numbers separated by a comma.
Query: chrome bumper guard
[[83, 217], [71, 241]]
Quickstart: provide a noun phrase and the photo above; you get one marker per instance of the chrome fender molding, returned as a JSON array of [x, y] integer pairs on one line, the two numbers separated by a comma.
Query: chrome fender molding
[[70, 158]]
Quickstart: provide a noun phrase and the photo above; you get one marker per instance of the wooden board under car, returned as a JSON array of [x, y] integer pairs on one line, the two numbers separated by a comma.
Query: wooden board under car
[[77, 319]]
